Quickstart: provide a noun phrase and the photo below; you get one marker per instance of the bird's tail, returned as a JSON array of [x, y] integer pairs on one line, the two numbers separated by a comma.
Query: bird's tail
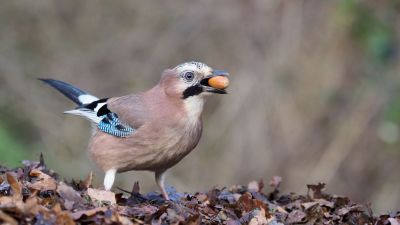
[[75, 94], [88, 105]]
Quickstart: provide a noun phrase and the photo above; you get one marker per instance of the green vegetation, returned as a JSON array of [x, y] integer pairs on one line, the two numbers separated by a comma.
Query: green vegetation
[[12, 151]]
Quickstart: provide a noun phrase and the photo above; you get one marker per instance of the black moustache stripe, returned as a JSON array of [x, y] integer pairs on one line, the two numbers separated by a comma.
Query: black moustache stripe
[[192, 91]]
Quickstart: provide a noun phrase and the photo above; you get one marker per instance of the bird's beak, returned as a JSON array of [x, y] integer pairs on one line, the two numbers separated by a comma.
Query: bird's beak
[[216, 82]]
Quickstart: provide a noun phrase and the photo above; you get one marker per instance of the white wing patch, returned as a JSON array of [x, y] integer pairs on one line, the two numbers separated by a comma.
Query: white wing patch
[[87, 113], [86, 99]]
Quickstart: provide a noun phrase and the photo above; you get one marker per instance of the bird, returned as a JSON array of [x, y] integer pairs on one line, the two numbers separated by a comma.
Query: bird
[[151, 130]]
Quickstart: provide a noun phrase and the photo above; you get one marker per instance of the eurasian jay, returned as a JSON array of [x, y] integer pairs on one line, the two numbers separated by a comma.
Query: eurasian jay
[[152, 130]]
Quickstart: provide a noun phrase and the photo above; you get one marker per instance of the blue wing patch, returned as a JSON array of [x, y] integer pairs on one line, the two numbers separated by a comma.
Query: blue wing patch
[[112, 125]]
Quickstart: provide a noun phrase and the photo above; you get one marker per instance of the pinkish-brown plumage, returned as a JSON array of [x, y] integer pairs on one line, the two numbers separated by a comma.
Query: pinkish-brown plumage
[[162, 129], [166, 121]]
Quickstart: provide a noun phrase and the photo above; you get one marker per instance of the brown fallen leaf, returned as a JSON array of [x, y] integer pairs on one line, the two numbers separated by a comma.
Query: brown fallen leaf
[[124, 220], [6, 219], [101, 195], [258, 217], [135, 188], [15, 187], [308, 205], [343, 211], [394, 221], [64, 218], [28, 208], [296, 216], [139, 211], [44, 182], [88, 213], [7, 201], [253, 186], [275, 182], [87, 183], [31, 206], [326, 203], [201, 197], [247, 204], [69, 195], [233, 222], [57, 208], [236, 205], [316, 189]]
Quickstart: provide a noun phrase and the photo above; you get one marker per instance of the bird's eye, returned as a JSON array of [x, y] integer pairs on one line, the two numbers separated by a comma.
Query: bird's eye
[[188, 76]]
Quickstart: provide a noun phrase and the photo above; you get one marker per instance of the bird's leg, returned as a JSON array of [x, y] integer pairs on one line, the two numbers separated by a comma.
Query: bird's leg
[[160, 178], [109, 179]]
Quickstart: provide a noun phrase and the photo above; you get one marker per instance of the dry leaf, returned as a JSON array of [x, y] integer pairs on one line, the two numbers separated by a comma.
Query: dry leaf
[[394, 221], [124, 220], [88, 181], [64, 218], [101, 195], [6, 219], [275, 182], [30, 206], [258, 217], [343, 211], [15, 187], [236, 205], [57, 208], [323, 202], [89, 212], [253, 186], [140, 210], [136, 188], [233, 222], [44, 182], [296, 216], [247, 204], [67, 192], [316, 189], [308, 205]]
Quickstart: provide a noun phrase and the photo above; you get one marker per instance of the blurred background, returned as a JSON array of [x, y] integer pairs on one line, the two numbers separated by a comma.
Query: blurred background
[[315, 94]]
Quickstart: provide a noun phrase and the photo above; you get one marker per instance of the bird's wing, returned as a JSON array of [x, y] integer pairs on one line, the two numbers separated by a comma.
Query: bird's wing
[[131, 109], [106, 120], [92, 108], [111, 124], [89, 110]]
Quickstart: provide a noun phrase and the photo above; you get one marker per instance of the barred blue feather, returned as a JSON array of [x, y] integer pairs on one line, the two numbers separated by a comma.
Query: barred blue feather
[[112, 125]]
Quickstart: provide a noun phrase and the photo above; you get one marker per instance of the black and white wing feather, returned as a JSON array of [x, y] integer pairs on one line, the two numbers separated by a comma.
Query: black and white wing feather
[[92, 108]]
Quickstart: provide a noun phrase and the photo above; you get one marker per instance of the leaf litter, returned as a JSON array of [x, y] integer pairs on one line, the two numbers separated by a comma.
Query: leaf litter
[[33, 194]]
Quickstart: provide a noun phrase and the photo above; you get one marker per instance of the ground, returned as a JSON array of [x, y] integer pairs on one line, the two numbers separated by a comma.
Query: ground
[[34, 194]]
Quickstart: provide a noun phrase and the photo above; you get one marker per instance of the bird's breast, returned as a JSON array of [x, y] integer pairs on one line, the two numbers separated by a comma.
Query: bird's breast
[[154, 146], [176, 143]]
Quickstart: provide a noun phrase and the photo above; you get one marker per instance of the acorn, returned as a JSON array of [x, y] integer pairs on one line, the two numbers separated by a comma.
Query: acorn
[[219, 82]]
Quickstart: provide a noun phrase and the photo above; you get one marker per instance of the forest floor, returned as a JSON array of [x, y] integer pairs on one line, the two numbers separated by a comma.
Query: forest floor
[[34, 194]]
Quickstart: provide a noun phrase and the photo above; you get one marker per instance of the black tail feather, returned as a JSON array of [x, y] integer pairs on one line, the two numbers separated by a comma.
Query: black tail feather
[[66, 89]]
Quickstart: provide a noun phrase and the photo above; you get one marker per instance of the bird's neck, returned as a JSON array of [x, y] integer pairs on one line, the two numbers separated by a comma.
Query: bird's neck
[[193, 107]]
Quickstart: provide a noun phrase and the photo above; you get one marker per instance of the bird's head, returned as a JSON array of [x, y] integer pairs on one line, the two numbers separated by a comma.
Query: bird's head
[[194, 80]]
